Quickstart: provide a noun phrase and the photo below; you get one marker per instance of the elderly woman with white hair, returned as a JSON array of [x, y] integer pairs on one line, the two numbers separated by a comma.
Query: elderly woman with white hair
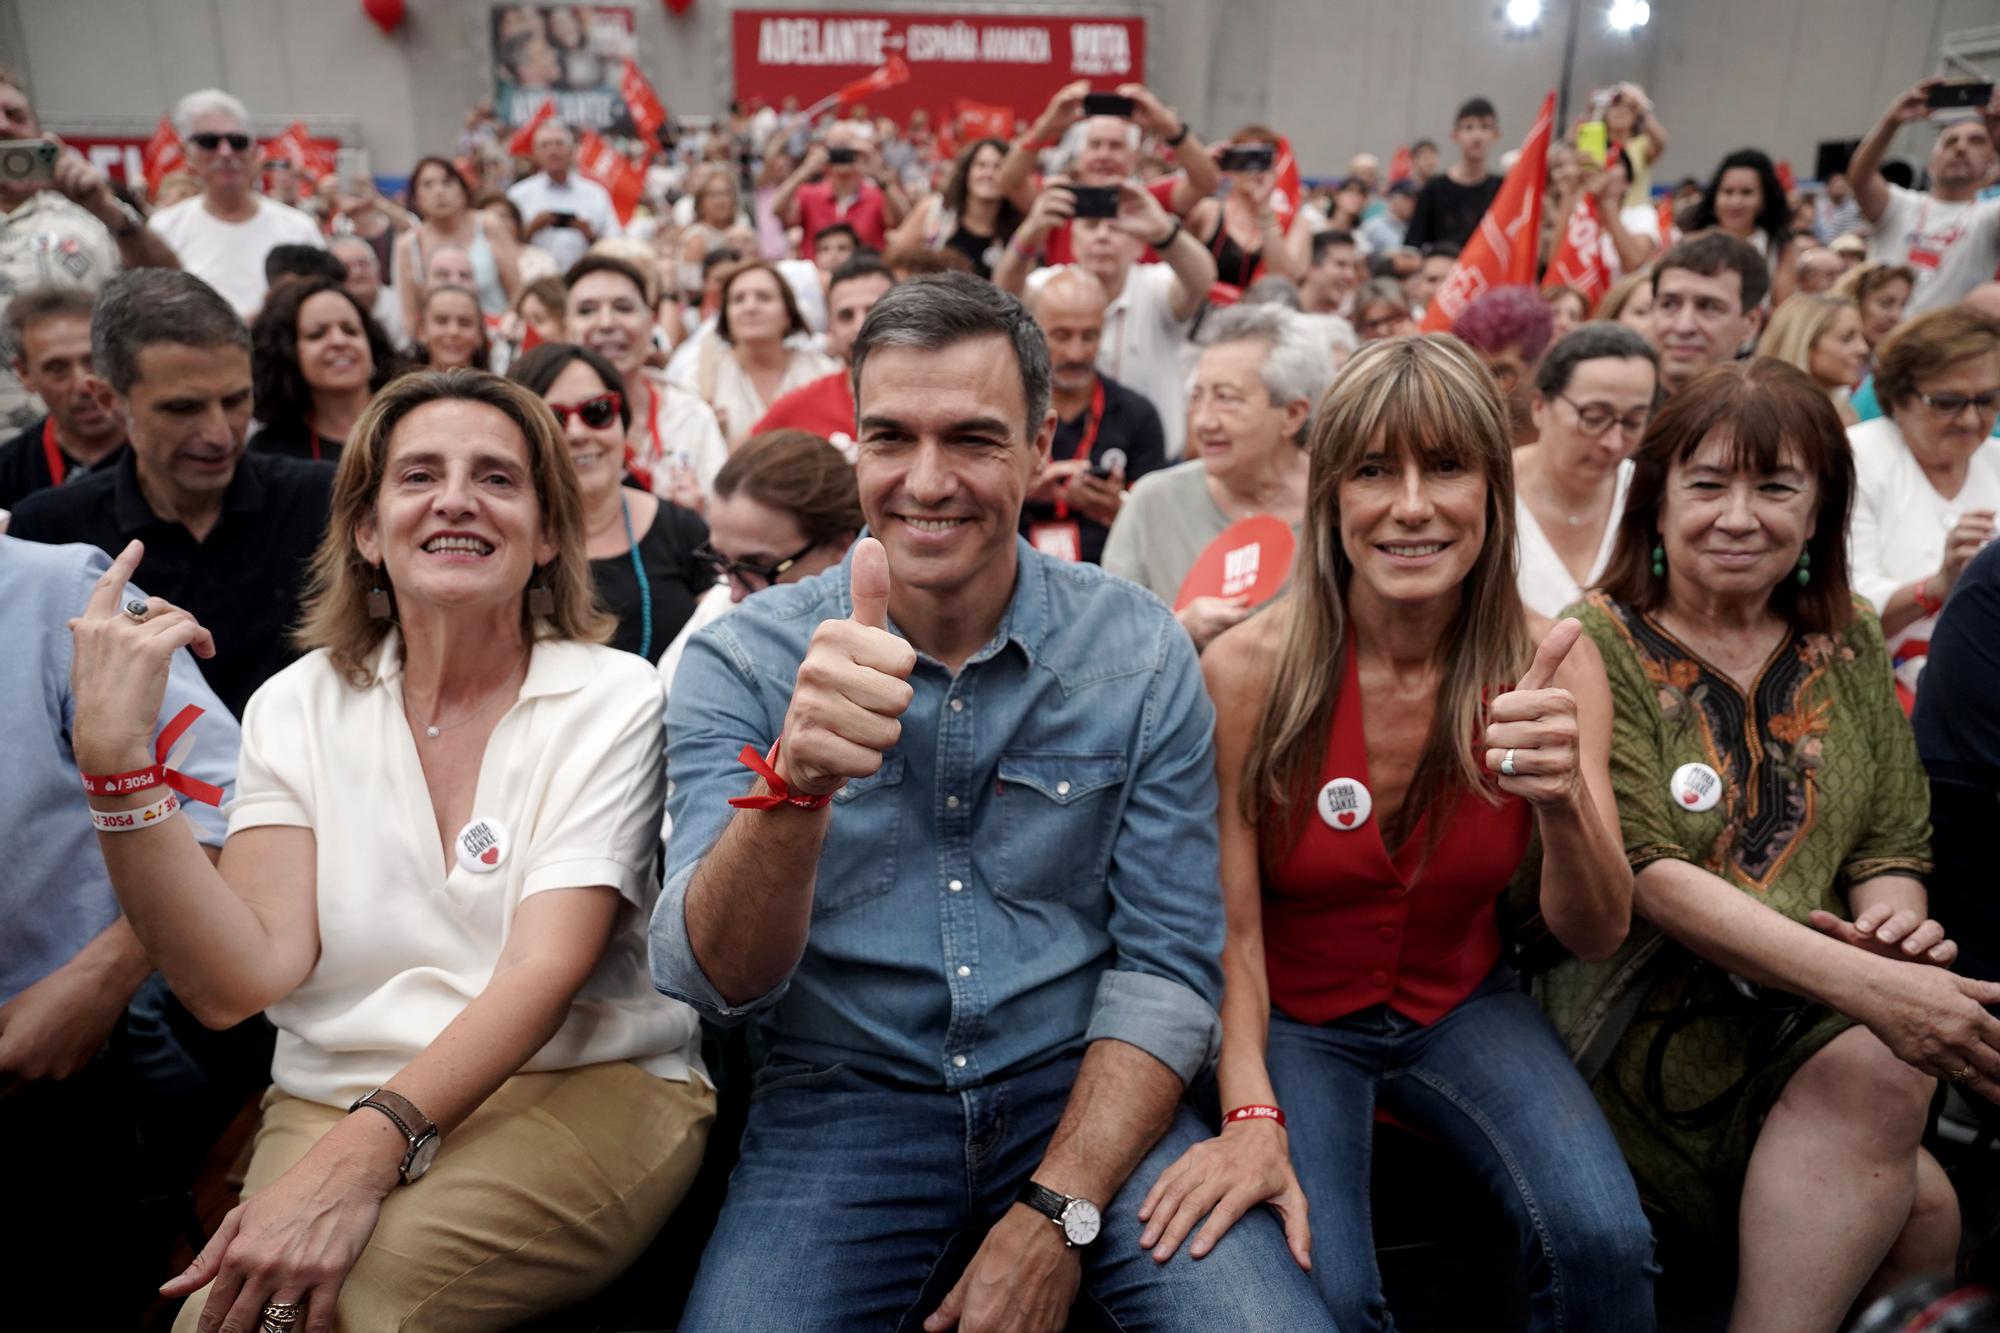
[[1262, 370], [223, 233]]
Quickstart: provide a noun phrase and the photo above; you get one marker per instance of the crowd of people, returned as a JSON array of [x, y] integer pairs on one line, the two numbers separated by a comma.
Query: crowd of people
[[812, 600]]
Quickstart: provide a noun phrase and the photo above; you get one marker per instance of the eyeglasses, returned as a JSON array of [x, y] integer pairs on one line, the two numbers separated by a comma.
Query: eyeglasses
[[1949, 405], [596, 413], [1596, 418], [209, 142], [764, 576]]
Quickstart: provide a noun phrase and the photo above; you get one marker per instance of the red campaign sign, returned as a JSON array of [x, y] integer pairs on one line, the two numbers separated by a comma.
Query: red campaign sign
[[1013, 62], [1252, 558]]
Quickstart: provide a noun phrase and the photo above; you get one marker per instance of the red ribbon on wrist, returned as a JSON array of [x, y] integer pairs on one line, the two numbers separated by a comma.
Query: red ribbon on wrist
[[1254, 1113], [124, 784], [779, 793]]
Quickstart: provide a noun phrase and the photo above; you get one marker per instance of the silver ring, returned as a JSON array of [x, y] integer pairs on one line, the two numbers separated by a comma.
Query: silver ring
[[1507, 765], [138, 609], [279, 1317]]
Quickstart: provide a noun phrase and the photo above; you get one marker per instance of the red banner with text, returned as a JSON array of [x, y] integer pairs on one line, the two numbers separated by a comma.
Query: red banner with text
[[997, 60]]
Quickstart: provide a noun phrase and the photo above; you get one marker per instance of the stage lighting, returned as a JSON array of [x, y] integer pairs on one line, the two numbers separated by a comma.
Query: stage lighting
[[1523, 13], [1626, 15]]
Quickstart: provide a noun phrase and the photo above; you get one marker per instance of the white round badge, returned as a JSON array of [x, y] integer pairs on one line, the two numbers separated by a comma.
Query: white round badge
[[482, 846], [1696, 788], [1344, 804]]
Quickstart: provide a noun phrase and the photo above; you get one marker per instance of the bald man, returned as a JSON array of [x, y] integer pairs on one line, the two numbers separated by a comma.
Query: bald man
[[1108, 438]]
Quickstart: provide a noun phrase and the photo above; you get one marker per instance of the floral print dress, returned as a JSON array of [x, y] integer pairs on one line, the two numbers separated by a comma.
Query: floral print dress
[[1821, 789]]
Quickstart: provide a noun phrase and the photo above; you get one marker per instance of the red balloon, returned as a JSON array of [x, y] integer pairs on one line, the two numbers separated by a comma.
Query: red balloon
[[387, 14]]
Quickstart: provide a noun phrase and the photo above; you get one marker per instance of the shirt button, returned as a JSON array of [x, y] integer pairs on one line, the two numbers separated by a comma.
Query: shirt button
[[1062, 788], [955, 886], [951, 803], [958, 705], [1387, 932], [958, 1062], [964, 971], [1378, 979]]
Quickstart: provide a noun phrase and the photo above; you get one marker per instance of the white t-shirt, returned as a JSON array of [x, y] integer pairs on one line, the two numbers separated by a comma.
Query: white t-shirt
[[46, 242], [579, 196], [572, 772], [1897, 531], [1547, 586], [229, 256], [687, 434], [1952, 247], [1142, 344]]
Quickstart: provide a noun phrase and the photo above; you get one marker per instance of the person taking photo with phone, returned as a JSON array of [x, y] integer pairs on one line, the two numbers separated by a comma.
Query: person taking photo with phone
[[1948, 236]]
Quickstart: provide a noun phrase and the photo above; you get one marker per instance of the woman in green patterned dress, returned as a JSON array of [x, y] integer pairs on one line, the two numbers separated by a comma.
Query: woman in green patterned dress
[[1766, 1043]]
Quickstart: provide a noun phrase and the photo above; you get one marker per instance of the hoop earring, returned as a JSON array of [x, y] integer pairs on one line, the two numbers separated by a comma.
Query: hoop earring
[[1659, 562], [379, 605]]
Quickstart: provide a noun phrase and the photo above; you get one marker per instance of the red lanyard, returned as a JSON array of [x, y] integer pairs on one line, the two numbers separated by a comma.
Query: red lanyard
[[58, 465], [1091, 421]]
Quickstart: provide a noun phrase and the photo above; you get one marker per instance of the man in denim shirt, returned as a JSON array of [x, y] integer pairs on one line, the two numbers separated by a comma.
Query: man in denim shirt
[[988, 968]]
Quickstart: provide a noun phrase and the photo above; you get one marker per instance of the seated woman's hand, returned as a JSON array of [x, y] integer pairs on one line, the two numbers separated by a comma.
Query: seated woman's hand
[[1904, 936], [1535, 723], [1937, 1022], [1222, 1178], [297, 1239], [118, 674]]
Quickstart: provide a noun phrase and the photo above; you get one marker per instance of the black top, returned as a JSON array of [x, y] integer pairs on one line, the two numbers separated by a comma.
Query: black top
[[1448, 211], [244, 582], [24, 467], [1233, 264], [1132, 425], [677, 580], [974, 247], [294, 439]]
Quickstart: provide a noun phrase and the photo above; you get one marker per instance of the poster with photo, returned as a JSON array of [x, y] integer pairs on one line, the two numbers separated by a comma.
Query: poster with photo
[[573, 54]]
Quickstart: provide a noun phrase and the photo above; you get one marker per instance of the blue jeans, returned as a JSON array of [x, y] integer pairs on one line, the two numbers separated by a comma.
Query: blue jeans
[[1492, 1083], [858, 1203]]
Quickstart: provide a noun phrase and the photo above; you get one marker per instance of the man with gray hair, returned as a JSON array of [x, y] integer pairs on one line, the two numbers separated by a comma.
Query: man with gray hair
[[229, 536], [1263, 370], [566, 212], [967, 889], [223, 233]]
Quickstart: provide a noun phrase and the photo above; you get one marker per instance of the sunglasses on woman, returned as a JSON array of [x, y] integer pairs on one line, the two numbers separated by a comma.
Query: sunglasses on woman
[[208, 141], [749, 575], [596, 413]]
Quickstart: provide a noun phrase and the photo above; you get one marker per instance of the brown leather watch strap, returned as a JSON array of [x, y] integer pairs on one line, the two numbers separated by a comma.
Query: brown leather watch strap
[[414, 1123]]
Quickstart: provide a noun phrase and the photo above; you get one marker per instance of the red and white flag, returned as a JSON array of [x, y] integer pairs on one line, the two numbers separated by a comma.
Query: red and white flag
[[641, 103], [892, 72], [1501, 253], [1579, 261], [617, 173], [523, 142], [162, 154], [295, 144]]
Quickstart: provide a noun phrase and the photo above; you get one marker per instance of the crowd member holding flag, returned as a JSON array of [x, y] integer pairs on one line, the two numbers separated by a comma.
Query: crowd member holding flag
[[565, 210], [1390, 743], [72, 232], [1505, 242], [223, 234]]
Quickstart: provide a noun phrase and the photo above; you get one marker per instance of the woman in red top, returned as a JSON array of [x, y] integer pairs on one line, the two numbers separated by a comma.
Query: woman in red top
[[1388, 741]]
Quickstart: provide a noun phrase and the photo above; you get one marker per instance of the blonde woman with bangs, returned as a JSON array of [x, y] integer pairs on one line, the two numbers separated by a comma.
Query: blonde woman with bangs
[[1820, 333], [1389, 743], [439, 865]]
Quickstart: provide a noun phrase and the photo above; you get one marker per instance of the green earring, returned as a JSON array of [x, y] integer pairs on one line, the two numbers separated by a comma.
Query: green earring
[[1659, 562], [1805, 568]]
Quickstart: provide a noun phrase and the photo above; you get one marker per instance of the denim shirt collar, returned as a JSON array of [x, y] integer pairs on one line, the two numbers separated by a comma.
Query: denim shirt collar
[[1026, 621]]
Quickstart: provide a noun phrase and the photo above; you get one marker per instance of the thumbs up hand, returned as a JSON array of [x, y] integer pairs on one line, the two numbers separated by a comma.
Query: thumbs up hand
[[851, 688], [1536, 723]]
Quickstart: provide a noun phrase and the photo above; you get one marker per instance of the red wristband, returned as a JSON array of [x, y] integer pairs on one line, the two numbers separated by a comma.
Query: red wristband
[[1254, 1113], [763, 765], [1926, 603], [124, 784]]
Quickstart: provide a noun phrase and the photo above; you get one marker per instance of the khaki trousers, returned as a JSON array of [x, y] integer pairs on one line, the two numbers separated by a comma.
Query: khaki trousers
[[545, 1194]]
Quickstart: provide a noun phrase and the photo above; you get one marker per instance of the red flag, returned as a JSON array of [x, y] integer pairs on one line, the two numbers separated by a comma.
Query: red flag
[[1399, 165], [1670, 231], [161, 155], [896, 70], [1784, 170], [624, 178], [645, 109], [1579, 262], [980, 120], [1286, 169], [523, 142], [1501, 253], [296, 145]]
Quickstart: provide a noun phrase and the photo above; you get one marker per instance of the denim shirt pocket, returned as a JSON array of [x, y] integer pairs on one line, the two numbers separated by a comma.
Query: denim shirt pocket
[[859, 860], [1056, 808]]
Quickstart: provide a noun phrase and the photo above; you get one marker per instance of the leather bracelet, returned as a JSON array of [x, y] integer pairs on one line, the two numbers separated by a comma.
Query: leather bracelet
[[1173, 234], [1254, 1113], [1179, 138]]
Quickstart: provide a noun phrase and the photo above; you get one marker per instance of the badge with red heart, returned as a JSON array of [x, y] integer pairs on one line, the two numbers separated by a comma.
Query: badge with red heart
[[1344, 804], [482, 846], [1695, 788]]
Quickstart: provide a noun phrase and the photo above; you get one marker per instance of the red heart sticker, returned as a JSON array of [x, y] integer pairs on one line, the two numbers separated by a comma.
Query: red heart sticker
[[491, 856], [1345, 816], [1690, 798]]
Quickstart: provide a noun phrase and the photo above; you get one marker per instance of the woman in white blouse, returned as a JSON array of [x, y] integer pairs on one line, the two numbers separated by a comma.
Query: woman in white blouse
[[1594, 393], [749, 364], [1927, 476], [439, 867]]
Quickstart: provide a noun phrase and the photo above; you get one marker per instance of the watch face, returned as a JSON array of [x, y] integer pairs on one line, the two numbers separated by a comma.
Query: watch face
[[1080, 1222], [421, 1159]]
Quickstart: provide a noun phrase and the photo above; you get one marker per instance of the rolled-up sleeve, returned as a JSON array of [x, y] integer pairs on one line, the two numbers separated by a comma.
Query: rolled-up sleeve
[[1165, 880], [601, 807], [712, 713]]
